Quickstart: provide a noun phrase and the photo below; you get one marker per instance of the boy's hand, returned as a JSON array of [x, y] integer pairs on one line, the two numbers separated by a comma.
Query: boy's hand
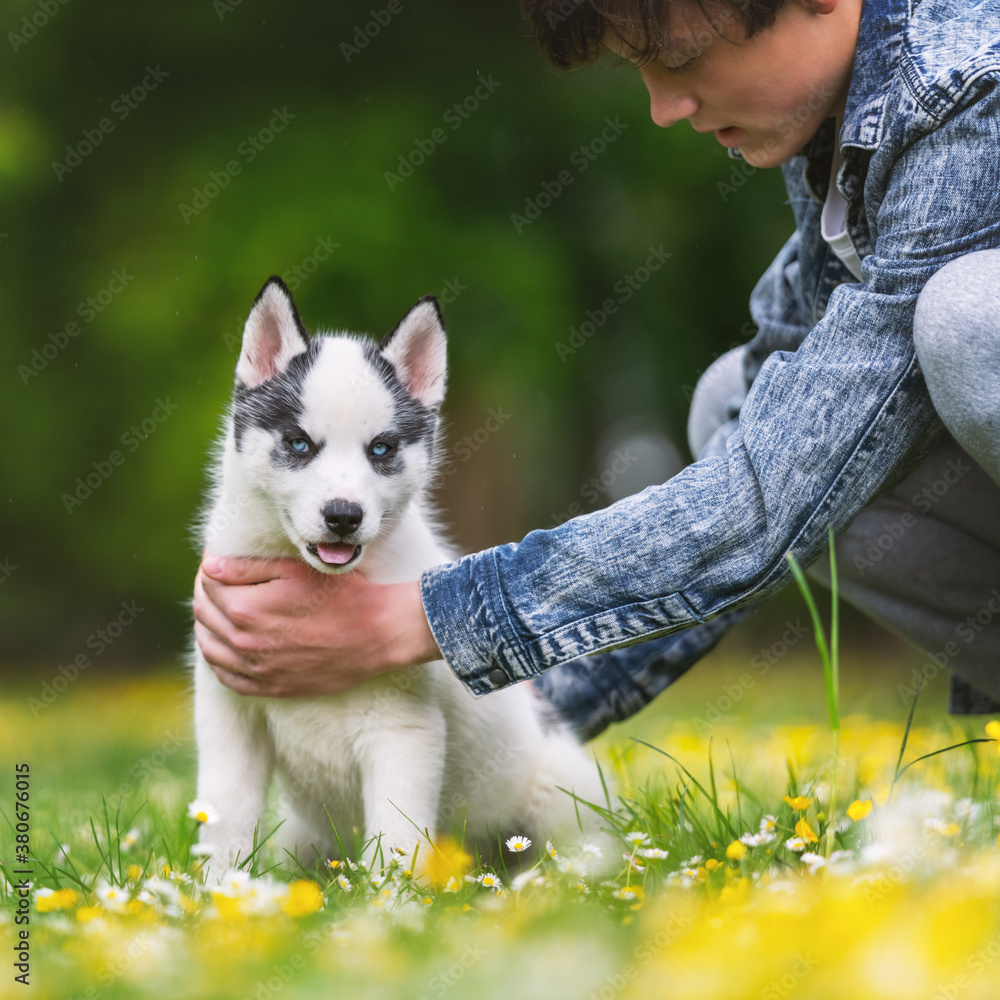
[[278, 628]]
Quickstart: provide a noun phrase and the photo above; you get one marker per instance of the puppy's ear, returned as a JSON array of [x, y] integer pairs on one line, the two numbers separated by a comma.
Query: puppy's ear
[[417, 350], [273, 335]]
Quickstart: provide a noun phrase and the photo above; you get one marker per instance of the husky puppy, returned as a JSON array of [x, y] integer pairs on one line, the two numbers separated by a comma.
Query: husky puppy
[[328, 454]]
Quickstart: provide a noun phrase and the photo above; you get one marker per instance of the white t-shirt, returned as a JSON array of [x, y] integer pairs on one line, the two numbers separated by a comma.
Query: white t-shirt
[[833, 222]]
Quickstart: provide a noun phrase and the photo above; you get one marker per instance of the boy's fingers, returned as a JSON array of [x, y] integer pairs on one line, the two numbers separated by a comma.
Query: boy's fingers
[[217, 654], [236, 570], [207, 613]]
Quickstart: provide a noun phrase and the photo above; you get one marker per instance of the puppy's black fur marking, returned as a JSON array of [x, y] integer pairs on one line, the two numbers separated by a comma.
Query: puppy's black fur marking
[[275, 404]]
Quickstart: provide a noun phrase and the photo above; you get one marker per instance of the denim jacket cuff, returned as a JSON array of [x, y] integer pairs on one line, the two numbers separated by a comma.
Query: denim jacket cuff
[[464, 605]]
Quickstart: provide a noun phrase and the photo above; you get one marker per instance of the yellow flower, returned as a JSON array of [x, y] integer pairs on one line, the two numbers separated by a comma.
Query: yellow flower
[[304, 897], [735, 851], [805, 831], [712, 864], [858, 810], [87, 913], [134, 873], [993, 729], [59, 899], [800, 802], [228, 907], [447, 861]]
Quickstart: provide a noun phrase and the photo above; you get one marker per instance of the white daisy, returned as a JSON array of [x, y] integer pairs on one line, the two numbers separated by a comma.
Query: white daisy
[[518, 844], [203, 850], [112, 897], [592, 849], [489, 880], [202, 812], [519, 881], [795, 844], [814, 861], [653, 853], [637, 838]]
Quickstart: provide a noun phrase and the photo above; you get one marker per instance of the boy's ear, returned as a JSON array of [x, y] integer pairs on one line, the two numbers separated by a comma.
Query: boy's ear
[[273, 335], [417, 349]]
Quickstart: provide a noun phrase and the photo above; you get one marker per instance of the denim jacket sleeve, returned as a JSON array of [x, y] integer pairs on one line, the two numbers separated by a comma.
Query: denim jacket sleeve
[[822, 428]]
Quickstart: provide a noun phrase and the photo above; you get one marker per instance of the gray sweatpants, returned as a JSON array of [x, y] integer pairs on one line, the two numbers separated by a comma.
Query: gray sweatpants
[[924, 559]]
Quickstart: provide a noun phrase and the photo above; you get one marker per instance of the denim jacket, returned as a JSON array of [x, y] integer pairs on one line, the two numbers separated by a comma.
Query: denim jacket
[[837, 410]]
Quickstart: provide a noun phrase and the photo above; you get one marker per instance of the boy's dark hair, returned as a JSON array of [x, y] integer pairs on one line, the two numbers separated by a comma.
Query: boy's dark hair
[[570, 31]]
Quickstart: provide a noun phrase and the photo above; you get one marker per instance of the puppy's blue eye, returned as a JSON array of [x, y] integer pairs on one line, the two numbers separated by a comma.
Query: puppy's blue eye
[[301, 445], [380, 449]]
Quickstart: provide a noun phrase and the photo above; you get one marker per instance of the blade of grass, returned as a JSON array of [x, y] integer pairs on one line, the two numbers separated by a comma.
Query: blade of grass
[[820, 638], [902, 746], [934, 753], [697, 784]]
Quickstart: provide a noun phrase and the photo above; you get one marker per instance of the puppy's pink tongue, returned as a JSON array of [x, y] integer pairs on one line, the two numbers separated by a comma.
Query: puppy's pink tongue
[[338, 553]]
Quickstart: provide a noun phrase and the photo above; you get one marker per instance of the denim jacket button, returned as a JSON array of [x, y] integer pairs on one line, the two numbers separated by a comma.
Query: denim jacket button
[[498, 677]]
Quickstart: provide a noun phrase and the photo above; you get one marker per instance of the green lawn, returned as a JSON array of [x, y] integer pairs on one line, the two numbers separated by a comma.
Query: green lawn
[[907, 906]]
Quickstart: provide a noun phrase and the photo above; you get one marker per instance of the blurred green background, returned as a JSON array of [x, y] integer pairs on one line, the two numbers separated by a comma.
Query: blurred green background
[[174, 93]]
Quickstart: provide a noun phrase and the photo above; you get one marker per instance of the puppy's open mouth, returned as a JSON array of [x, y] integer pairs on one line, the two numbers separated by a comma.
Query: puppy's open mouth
[[335, 553]]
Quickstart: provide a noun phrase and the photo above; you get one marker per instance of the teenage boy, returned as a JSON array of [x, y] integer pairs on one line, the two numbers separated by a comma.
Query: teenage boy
[[869, 399]]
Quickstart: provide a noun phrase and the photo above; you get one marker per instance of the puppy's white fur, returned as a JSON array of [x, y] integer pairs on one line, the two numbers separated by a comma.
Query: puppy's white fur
[[405, 754]]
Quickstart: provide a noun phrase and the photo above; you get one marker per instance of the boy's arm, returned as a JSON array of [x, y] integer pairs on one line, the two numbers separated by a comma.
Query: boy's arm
[[820, 432]]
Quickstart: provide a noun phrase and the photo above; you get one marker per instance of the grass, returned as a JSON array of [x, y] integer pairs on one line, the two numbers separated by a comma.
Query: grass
[[904, 902]]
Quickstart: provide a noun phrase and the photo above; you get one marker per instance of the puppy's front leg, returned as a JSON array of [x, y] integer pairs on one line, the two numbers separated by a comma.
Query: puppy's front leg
[[235, 760], [402, 765]]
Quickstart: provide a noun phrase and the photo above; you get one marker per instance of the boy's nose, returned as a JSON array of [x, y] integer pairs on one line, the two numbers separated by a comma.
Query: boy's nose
[[668, 100]]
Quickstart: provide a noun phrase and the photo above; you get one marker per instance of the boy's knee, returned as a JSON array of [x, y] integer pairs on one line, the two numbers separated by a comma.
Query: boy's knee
[[958, 311]]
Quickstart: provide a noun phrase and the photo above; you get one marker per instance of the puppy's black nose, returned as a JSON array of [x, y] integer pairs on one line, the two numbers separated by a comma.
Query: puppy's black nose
[[342, 516]]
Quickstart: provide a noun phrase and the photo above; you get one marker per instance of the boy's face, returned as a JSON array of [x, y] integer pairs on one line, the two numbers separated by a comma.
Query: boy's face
[[768, 95]]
